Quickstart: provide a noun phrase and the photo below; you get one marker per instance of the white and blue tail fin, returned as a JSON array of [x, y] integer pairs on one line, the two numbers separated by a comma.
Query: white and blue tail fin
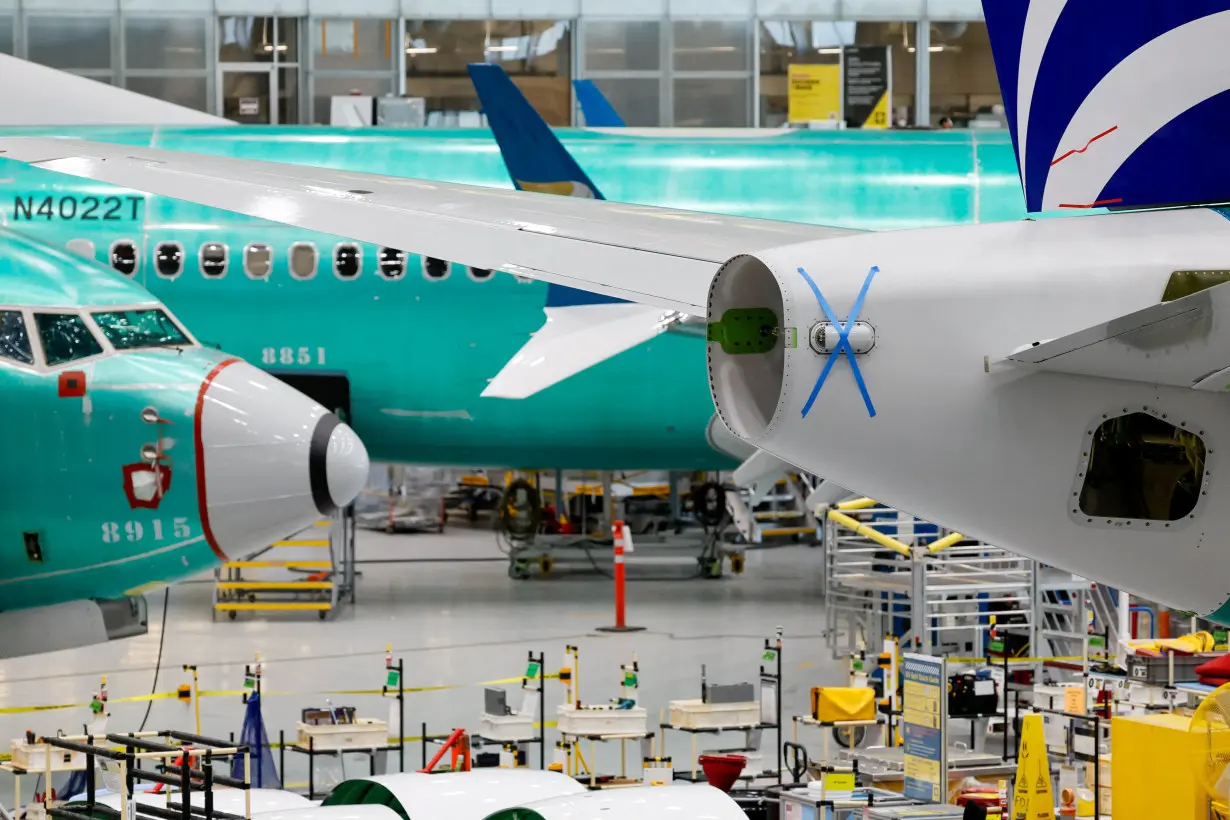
[[598, 111], [582, 329], [1122, 104]]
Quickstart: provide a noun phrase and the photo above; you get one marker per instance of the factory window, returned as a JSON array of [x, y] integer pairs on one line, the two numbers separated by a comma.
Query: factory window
[[303, 260], [623, 58], [537, 54], [124, 257], [784, 43], [7, 25], [69, 42], [710, 45], [177, 43], [169, 259], [964, 86], [188, 91], [244, 39], [721, 101], [1141, 467], [129, 329], [436, 269], [352, 45], [347, 260], [65, 337], [392, 263], [213, 259], [14, 338], [479, 274], [257, 260], [82, 246]]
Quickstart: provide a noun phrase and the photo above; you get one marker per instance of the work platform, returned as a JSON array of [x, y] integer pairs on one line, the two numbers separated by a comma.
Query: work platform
[[311, 571]]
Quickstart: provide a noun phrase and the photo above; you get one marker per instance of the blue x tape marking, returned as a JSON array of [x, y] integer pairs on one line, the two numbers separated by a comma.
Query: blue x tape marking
[[843, 343]]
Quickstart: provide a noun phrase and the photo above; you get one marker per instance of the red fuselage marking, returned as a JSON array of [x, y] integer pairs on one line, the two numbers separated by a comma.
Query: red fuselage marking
[[201, 500], [1083, 150], [1097, 204]]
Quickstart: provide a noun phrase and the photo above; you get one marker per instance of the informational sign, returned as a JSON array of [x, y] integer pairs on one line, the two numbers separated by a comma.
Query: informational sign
[[867, 86], [925, 718], [1032, 798], [249, 106], [813, 92], [1074, 700]]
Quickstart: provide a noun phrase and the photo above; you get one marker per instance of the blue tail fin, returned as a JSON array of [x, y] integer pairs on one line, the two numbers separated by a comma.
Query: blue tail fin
[[598, 111], [1115, 103], [535, 158]]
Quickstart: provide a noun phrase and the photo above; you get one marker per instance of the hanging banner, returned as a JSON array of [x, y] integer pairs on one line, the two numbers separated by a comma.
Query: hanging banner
[[925, 719], [867, 86], [813, 92]]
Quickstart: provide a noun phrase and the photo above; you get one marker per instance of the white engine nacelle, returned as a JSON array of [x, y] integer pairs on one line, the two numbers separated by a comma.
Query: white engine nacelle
[[1115, 479]]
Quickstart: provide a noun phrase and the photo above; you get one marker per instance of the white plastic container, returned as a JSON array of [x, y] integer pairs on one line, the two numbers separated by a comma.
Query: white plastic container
[[696, 714], [32, 757], [507, 727], [601, 720], [364, 733]]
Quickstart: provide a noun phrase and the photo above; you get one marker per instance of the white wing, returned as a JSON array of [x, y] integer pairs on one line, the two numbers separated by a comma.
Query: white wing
[[652, 255]]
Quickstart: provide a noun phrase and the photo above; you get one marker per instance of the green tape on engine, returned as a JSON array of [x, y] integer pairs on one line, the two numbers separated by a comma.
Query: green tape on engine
[[745, 330]]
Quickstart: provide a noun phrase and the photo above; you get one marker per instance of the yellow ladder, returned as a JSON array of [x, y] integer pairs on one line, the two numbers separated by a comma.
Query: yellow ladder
[[236, 591]]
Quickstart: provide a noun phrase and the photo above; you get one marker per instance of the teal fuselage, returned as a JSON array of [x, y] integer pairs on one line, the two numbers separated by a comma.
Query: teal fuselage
[[418, 351]]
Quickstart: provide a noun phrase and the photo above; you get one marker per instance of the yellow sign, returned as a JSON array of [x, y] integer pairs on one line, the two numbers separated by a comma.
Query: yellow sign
[[814, 92], [839, 781], [1074, 700], [879, 115], [1033, 799]]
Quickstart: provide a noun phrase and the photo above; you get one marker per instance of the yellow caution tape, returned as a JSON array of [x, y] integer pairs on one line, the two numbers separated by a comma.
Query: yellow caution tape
[[231, 693]]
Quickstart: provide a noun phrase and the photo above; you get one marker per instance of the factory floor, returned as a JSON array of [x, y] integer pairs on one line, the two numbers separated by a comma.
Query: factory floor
[[456, 624]]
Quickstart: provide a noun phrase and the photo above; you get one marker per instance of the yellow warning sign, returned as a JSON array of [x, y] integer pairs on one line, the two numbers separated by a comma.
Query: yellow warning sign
[[1033, 799], [879, 115], [813, 92]]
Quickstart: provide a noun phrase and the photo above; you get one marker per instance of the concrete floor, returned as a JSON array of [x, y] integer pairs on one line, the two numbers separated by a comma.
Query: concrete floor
[[456, 624]]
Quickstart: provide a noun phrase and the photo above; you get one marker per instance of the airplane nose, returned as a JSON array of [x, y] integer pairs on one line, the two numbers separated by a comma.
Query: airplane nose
[[338, 465], [270, 461]]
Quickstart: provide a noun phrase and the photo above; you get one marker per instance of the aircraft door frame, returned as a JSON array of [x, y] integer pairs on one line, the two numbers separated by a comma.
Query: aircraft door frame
[[267, 117]]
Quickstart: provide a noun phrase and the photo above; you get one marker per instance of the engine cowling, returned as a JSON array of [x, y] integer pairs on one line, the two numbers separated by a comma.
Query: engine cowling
[[1034, 461]]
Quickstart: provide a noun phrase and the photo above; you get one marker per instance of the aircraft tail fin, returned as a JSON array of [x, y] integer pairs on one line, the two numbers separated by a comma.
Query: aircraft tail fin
[[33, 95], [598, 111], [1124, 109], [535, 158]]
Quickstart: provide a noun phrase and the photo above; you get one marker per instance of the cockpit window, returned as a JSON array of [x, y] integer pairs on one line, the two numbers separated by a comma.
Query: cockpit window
[[65, 337], [14, 339], [128, 329]]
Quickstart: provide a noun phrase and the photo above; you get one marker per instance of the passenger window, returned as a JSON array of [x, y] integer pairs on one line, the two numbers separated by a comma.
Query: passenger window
[[124, 257], [436, 269], [1141, 467], [169, 259], [82, 246], [303, 260], [213, 259], [258, 260], [479, 274], [65, 337], [14, 339], [392, 263], [347, 260]]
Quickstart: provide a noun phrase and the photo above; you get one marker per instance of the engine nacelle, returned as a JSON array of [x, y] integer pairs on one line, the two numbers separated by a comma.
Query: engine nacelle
[[915, 406]]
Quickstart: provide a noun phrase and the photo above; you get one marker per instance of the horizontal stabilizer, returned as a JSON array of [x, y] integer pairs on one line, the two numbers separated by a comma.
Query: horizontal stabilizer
[[574, 339], [1183, 343]]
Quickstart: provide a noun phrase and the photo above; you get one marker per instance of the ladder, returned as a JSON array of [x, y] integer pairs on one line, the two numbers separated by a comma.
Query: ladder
[[773, 511], [309, 571]]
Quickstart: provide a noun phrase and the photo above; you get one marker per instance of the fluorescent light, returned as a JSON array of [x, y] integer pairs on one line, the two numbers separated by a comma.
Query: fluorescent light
[[501, 48], [831, 50], [932, 49], [425, 50]]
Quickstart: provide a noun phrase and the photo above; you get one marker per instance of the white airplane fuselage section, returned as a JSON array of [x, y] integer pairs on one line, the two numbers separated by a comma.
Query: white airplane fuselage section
[[959, 437]]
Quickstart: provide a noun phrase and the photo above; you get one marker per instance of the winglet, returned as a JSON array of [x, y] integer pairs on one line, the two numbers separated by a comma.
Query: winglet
[[598, 111], [1120, 109], [536, 159]]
